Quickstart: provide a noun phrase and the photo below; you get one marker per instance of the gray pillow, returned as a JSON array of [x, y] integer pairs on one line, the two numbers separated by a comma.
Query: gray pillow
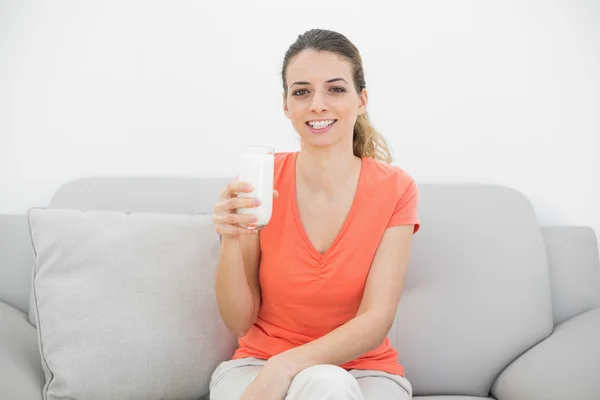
[[125, 304]]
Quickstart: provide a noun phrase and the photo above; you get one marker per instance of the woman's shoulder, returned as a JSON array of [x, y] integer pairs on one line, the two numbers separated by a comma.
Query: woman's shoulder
[[395, 191], [387, 174]]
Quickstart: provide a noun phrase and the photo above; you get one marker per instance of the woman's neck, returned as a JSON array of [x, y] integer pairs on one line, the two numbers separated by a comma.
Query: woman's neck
[[327, 170]]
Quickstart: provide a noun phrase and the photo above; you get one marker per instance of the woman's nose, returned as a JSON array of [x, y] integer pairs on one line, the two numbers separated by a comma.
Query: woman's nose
[[318, 103]]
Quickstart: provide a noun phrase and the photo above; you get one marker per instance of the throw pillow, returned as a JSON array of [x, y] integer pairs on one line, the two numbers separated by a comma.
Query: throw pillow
[[125, 304]]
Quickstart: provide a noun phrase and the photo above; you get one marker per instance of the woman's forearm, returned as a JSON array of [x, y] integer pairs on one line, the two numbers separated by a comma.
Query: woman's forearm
[[234, 295], [361, 334]]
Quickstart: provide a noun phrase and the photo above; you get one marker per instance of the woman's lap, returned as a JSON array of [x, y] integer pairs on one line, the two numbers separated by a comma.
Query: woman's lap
[[381, 385], [231, 378]]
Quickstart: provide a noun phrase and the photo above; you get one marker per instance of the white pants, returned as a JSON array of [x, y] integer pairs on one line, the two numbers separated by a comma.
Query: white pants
[[320, 382]]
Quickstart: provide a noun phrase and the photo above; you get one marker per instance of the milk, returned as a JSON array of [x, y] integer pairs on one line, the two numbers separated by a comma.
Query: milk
[[257, 169]]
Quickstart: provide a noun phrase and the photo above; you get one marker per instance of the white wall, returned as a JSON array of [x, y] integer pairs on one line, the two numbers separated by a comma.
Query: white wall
[[494, 92]]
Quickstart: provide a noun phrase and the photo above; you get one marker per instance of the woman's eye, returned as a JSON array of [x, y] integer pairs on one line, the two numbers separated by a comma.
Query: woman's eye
[[302, 92]]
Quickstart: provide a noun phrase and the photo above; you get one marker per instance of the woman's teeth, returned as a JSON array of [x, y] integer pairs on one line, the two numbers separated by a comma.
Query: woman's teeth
[[321, 124]]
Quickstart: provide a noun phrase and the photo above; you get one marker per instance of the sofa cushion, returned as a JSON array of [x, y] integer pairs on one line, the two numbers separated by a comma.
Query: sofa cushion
[[163, 195], [477, 291], [21, 373], [125, 304], [564, 366]]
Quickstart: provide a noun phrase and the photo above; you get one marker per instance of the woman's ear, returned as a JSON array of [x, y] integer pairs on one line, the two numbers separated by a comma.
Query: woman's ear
[[364, 100]]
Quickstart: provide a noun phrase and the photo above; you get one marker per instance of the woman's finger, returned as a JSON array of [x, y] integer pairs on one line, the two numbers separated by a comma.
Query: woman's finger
[[242, 202], [234, 219], [233, 230]]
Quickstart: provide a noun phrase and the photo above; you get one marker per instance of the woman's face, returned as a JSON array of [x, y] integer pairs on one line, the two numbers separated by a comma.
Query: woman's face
[[321, 100]]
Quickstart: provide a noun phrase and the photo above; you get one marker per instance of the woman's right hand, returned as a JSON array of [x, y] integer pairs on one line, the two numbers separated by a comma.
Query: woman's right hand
[[225, 218]]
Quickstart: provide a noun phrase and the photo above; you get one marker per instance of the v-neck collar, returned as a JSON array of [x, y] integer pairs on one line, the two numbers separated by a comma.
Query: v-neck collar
[[296, 211]]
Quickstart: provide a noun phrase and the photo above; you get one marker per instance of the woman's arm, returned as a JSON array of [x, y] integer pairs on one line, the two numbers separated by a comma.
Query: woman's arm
[[237, 286], [375, 315]]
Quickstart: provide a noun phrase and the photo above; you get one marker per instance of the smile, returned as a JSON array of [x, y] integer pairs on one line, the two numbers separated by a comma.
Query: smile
[[320, 126]]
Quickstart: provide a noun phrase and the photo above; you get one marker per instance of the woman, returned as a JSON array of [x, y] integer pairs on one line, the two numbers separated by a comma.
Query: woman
[[313, 295]]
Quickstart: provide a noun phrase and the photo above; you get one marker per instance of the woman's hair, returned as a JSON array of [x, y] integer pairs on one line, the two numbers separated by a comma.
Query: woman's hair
[[367, 142]]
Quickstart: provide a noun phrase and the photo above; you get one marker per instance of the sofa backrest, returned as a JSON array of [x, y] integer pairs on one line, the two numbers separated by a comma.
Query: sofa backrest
[[140, 194], [574, 265], [477, 293]]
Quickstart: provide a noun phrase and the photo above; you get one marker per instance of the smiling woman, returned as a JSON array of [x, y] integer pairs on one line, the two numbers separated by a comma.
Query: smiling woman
[[314, 57], [313, 295]]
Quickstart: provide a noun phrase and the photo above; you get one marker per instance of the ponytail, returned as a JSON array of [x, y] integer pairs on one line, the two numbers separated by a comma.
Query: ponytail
[[367, 142]]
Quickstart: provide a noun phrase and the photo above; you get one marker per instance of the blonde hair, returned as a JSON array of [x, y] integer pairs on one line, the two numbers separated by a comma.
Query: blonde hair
[[367, 142]]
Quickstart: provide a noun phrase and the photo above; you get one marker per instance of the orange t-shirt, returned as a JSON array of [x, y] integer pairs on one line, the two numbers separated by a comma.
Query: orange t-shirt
[[306, 294]]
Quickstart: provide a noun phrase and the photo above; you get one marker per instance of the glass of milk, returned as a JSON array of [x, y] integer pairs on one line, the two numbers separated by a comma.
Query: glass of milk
[[256, 166]]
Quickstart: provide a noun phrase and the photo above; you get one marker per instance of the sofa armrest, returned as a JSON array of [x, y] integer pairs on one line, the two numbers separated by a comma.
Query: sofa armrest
[[16, 261], [574, 270], [21, 373], [563, 366]]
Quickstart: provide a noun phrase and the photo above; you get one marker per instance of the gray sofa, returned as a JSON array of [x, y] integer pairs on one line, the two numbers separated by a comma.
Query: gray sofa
[[494, 306]]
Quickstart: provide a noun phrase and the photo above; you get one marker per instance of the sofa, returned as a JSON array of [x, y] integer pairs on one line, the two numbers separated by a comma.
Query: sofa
[[494, 305]]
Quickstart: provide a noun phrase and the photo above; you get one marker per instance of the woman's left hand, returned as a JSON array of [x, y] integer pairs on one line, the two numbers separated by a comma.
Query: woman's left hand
[[272, 383]]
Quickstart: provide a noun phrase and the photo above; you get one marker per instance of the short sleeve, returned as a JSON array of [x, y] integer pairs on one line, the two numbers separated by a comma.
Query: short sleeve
[[406, 210]]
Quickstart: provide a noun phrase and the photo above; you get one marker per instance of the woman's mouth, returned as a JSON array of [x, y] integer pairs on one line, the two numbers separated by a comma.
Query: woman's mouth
[[321, 126]]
